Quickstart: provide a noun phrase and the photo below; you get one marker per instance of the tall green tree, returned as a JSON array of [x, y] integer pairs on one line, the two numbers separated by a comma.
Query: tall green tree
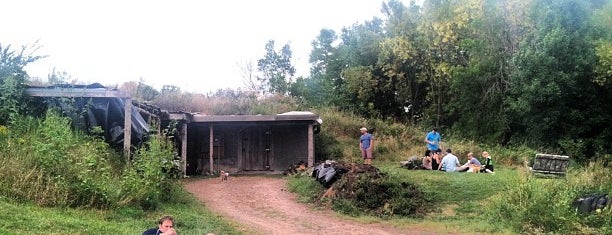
[[401, 56], [319, 89], [364, 87], [553, 98], [479, 89], [276, 69]]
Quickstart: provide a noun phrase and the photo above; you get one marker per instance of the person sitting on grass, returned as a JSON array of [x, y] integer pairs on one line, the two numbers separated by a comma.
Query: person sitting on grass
[[450, 162], [427, 159], [436, 159], [470, 164], [488, 163], [165, 227]]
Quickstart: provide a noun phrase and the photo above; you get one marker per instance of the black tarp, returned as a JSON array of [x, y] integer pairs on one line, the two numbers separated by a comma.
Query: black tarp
[[107, 113]]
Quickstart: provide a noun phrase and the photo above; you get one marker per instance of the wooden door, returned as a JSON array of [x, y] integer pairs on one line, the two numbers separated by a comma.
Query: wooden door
[[254, 154]]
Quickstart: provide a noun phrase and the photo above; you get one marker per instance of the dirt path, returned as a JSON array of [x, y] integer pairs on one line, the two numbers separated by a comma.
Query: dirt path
[[263, 205]]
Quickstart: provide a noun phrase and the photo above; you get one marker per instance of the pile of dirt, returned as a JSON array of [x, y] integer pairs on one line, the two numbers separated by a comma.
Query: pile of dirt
[[356, 188]]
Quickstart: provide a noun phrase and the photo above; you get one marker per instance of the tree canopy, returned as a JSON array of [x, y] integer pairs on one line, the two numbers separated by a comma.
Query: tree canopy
[[533, 72]]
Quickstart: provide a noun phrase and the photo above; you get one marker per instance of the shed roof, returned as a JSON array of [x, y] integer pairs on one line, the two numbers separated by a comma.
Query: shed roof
[[289, 116]]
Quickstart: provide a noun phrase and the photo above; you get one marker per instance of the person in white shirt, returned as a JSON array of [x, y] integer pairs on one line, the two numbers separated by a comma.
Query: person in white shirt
[[449, 162]]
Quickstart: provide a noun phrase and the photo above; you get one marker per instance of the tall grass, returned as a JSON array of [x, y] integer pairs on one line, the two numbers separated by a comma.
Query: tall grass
[[47, 163], [394, 142], [539, 206]]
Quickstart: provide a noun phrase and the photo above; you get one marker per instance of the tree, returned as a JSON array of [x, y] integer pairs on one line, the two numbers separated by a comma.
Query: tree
[[318, 89], [249, 78], [553, 98], [13, 78], [276, 69], [481, 86], [401, 56]]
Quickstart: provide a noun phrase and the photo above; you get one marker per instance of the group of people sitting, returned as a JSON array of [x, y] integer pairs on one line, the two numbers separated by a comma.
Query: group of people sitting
[[435, 160]]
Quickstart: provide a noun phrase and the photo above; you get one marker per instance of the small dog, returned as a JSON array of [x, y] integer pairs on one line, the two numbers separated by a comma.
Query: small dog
[[475, 168], [224, 176]]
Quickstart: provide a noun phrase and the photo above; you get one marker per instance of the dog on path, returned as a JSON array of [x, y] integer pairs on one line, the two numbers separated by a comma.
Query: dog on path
[[224, 176]]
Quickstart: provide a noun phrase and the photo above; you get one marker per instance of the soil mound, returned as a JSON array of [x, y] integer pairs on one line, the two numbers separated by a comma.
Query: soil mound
[[357, 188]]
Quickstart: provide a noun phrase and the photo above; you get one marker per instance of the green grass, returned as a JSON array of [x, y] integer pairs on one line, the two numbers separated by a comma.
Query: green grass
[[511, 201], [190, 218], [459, 198]]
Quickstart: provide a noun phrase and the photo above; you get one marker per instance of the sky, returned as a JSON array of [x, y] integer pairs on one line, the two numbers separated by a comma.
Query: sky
[[198, 45]]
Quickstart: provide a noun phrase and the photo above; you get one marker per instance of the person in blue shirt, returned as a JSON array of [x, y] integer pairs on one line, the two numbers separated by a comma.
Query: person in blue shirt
[[366, 142], [433, 140]]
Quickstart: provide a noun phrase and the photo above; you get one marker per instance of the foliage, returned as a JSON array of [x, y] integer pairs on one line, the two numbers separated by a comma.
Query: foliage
[[503, 72], [339, 136], [386, 196], [13, 79], [318, 89], [151, 176], [49, 164], [534, 205], [556, 80], [276, 69]]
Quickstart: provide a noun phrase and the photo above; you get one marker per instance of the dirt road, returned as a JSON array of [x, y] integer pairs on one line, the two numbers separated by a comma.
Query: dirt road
[[263, 205]]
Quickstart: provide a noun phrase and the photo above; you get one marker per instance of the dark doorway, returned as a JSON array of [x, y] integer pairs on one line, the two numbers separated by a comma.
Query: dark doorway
[[256, 148]]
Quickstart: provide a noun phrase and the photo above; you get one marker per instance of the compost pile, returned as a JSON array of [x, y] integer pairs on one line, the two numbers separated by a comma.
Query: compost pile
[[354, 189]]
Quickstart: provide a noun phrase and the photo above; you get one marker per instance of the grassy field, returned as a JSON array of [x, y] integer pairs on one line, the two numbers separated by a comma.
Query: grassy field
[[458, 198], [511, 201], [191, 218]]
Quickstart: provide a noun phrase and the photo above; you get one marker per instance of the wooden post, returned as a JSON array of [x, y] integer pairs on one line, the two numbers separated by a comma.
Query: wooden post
[[184, 149], [211, 151], [310, 145], [127, 129]]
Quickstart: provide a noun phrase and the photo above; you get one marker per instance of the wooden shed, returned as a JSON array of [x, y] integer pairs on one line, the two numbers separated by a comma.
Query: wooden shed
[[245, 143], [206, 143]]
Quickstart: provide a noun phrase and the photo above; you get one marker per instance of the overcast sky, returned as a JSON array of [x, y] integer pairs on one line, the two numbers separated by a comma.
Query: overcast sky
[[197, 45]]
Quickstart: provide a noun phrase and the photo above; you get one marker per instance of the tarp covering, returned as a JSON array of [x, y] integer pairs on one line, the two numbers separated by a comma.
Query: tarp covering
[[107, 113]]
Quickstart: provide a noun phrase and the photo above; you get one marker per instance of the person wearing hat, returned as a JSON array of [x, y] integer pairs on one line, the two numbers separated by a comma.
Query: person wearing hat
[[366, 142]]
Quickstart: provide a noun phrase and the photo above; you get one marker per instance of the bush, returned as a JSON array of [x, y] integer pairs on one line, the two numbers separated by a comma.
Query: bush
[[379, 195], [535, 205], [47, 163]]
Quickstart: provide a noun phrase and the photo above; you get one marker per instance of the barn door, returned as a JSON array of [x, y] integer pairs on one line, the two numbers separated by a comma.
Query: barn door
[[255, 149]]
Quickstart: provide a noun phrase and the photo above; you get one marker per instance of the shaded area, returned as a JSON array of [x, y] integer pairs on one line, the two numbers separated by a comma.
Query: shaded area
[[103, 116]]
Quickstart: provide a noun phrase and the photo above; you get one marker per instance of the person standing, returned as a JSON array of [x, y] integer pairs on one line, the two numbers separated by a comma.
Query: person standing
[[366, 142], [433, 139], [165, 226]]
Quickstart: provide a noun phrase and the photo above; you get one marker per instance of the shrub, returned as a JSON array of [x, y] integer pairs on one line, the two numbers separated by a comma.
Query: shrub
[[379, 195], [535, 205], [47, 163]]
